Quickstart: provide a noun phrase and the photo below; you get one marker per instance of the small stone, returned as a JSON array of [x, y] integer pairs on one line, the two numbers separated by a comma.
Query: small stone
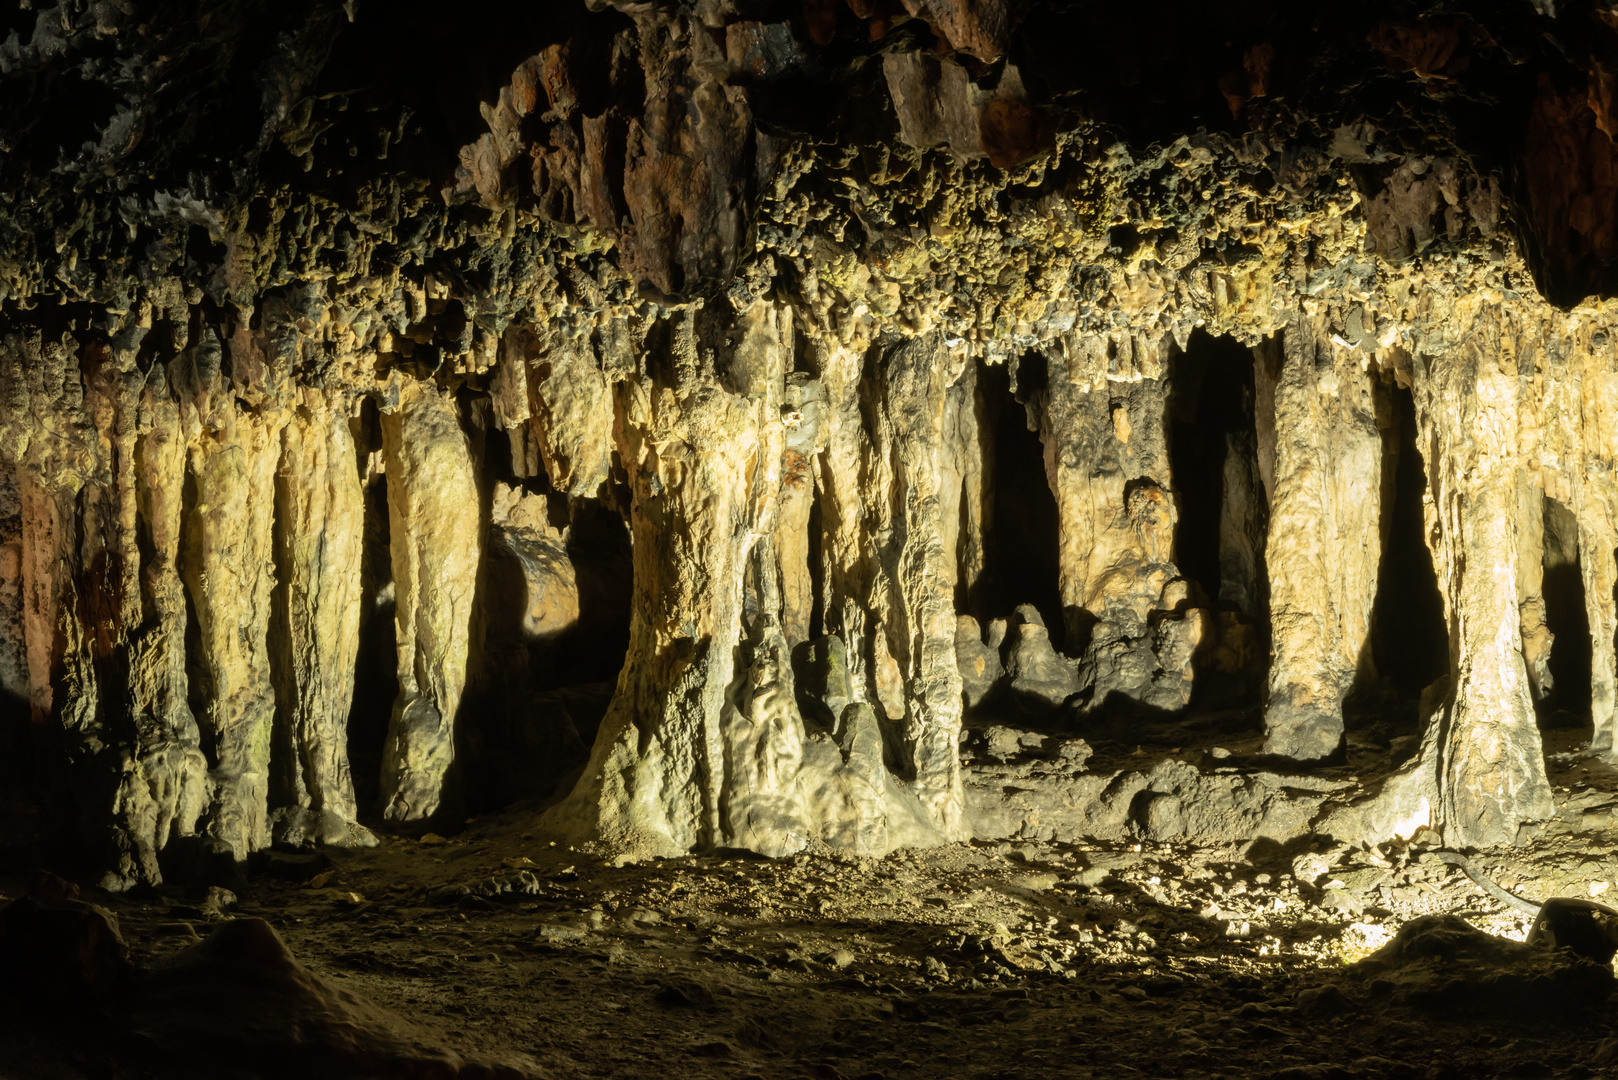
[[218, 899], [432, 838], [1341, 901], [1323, 1001], [1310, 867], [839, 959]]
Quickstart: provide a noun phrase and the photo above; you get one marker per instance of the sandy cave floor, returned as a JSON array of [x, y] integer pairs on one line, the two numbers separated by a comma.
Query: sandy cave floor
[[995, 960]]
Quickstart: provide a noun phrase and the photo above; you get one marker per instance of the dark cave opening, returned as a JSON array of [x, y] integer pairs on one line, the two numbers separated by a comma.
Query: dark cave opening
[[1567, 702], [553, 615], [1212, 451], [817, 568], [1022, 532], [376, 671], [1409, 637]]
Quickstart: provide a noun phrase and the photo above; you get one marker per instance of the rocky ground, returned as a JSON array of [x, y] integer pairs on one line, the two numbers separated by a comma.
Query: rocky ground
[[1004, 960]]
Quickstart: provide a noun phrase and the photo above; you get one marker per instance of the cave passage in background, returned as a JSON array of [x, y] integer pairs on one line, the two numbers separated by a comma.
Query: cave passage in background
[[1022, 561], [1211, 418], [1565, 617], [1409, 639], [376, 672]]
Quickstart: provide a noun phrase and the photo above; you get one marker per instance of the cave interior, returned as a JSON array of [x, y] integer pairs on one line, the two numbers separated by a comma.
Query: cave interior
[[848, 539]]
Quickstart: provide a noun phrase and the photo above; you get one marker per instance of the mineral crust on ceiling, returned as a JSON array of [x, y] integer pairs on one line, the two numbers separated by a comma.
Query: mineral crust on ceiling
[[405, 412]]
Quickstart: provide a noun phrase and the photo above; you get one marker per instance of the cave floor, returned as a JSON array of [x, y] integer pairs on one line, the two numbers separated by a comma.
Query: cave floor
[[1000, 960]]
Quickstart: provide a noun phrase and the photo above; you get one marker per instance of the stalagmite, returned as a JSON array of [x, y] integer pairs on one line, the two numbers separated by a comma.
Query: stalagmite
[[435, 521]]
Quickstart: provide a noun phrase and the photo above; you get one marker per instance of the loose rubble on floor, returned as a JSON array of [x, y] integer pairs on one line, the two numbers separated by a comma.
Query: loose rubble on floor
[[1002, 959]]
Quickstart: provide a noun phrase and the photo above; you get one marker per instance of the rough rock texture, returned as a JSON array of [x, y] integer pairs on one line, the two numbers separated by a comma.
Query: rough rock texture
[[748, 287], [436, 525], [320, 505], [1320, 457]]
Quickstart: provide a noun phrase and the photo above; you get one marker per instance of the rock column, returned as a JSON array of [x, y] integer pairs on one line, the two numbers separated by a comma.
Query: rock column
[[1324, 475], [893, 491], [320, 533], [434, 517], [1491, 763], [229, 568], [681, 760]]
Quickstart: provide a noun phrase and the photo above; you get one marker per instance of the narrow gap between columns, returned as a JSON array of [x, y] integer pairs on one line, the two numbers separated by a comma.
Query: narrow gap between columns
[[376, 675], [1565, 699], [1409, 638]]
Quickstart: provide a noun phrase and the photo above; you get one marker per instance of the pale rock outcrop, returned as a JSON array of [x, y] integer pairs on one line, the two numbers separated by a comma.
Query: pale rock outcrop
[[435, 522], [549, 600]]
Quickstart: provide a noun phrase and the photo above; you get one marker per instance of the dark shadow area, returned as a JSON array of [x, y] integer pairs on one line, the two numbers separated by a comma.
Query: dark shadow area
[[376, 671], [1409, 638], [1022, 534], [1211, 429], [554, 601], [1568, 702], [1222, 514], [24, 818]]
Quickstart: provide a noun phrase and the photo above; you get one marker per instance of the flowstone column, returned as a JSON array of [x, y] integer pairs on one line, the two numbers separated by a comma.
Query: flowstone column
[[320, 534], [1101, 416], [228, 565], [1491, 767], [435, 525], [893, 491], [1324, 453], [692, 752], [100, 458]]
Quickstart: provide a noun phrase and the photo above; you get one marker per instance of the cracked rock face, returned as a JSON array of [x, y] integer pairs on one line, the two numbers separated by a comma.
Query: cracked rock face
[[711, 417]]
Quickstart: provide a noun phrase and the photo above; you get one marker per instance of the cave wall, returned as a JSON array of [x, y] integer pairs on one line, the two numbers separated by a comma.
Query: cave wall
[[615, 276]]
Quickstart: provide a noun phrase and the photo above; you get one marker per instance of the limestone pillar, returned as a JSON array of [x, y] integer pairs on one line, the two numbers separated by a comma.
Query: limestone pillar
[[1323, 467], [319, 538], [435, 526], [1491, 763]]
